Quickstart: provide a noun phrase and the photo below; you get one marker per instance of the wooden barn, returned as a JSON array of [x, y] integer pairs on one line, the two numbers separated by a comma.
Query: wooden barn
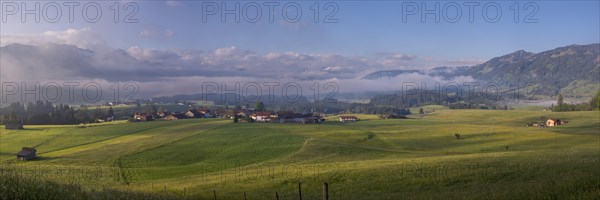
[[13, 125], [26, 153]]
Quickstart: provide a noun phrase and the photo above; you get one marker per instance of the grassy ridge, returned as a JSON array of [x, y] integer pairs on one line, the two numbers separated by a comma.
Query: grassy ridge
[[244, 144]]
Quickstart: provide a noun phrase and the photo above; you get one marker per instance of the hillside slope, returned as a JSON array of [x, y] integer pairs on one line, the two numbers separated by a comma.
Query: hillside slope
[[571, 70], [550, 71]]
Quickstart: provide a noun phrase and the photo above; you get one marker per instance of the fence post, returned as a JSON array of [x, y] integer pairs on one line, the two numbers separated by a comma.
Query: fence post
[[245, 196], [300, 189], [276, 196], [325, 191], [215, 194]]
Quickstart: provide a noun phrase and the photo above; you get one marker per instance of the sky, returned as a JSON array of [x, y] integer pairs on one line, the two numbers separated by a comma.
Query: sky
[[153, 42]]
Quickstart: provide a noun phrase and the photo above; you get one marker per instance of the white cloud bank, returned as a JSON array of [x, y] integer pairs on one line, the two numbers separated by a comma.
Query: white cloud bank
[[80, 54]]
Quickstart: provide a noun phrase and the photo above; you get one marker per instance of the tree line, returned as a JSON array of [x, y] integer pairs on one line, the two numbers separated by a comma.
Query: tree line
[[561, 106], [43, 112]]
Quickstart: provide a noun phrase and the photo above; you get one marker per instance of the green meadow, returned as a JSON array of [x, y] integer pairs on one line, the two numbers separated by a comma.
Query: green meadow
[[496, 157]]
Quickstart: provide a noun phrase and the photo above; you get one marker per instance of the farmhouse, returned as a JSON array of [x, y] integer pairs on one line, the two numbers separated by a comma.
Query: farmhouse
[[170, 117], [26, 153], [262, 116], [194, 114], [553, 122], [226, 114], [345, 118], [243, 113], [174, 116], [162, 114], [206, 112], [292, 118], [13, 125], [282, 114], [142, 117]]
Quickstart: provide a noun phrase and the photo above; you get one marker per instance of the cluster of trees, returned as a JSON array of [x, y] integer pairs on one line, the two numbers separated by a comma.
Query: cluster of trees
[[42, 112], [561, 106], [461, 99], [329, 106], [476, 106], [365, 108]]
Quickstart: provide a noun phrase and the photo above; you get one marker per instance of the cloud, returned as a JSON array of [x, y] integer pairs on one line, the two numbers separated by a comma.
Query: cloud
[[79, 54], [333, 69], [396, 83], [148, 33], [396, 56], [403, 57], [83, 38]]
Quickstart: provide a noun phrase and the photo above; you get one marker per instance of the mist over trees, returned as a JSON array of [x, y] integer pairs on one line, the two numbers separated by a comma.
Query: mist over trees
[[459, 99], [561, 106]]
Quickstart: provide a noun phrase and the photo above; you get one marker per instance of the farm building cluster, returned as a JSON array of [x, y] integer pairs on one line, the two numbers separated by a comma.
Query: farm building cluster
[[192, 113], [283, 117], [242, 114], [548, 123], [291, 117]]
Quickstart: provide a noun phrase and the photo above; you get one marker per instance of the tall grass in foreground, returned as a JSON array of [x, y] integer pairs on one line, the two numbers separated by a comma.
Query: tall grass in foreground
[[14, 186], [558, 177], [19, 187]]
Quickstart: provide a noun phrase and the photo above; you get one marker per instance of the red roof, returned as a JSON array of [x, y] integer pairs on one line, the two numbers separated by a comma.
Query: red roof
[[263, 114]]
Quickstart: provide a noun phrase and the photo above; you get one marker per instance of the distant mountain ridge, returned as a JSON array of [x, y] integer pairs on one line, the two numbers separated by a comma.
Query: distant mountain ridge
[[572, 70], [445, 72], [390, 74], [551, 72]]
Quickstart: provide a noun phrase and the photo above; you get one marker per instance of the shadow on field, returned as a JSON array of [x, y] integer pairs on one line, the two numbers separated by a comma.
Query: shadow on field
[[476, 135], [591, 129], [445, 142], [44, 158], [25, 128]]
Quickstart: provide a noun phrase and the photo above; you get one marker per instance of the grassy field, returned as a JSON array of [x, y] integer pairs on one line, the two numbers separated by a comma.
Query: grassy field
[[497, 157]]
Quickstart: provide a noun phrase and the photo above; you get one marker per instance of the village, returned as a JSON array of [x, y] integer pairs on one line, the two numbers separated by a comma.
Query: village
[[247, 115]]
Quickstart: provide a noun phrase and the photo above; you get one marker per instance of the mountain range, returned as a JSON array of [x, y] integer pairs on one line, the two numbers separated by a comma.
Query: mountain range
[[571, 70]]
